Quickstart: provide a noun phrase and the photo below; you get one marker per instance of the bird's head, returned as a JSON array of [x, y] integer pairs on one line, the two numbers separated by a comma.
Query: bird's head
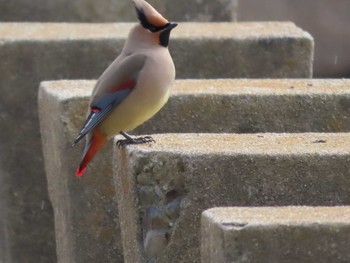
[[151, 20]]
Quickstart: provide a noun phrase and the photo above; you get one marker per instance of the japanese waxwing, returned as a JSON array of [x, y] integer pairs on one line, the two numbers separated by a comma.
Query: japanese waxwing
[[133, 88]]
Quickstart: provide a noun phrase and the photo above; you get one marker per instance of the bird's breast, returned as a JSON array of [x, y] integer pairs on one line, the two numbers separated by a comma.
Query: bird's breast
[[147, 98]]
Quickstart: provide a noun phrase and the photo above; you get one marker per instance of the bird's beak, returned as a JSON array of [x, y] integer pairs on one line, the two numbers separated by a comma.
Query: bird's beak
[[171, 26]]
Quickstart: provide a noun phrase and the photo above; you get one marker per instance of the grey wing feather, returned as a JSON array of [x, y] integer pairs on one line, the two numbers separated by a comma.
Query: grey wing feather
[[100, 110], [104, 99]]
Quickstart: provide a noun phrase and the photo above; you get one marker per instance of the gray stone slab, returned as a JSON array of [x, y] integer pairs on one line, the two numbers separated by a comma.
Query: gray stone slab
[[250, 106], [328, 25], [200, 50], [32, 52], [275, 234], [236, 105], [163, 188], [269, 105], [113, 10], [86, 220]]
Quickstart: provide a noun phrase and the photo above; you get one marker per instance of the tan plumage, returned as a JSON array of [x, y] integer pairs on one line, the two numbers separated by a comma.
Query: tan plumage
[[134, 87]]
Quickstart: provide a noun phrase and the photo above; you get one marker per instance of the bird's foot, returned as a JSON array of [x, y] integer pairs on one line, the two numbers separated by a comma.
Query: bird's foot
[[139, 140]]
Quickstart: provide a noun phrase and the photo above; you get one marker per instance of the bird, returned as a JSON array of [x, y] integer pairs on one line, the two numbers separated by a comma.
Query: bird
[[133, 88]]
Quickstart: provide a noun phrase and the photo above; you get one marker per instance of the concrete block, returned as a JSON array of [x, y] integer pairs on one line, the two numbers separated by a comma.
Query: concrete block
[[32, 52], [202, 171], [275, 234], [86, 220], [113, 10], [246, 50], [251, 106], [236, 105], [332, 59], [201, 11], [200, 50], [264, 106]]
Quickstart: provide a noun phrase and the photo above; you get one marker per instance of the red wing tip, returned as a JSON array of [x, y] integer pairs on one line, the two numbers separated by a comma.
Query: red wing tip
[[95, 110], [80, 171]]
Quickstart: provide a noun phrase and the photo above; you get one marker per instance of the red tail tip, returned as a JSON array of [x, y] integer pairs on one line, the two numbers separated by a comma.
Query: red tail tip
[[80, 171]]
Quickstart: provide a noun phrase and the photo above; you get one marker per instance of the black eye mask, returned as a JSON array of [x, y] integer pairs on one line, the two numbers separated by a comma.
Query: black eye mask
[[146, 24]]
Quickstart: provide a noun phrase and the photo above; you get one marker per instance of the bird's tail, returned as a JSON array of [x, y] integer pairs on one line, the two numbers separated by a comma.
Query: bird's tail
[[97, 141]]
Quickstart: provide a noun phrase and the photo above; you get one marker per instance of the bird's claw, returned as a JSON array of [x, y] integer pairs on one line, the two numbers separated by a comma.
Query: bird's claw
[[140, 140]]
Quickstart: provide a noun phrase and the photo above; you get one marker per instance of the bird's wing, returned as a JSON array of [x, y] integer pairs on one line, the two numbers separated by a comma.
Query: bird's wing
[[111, 89]]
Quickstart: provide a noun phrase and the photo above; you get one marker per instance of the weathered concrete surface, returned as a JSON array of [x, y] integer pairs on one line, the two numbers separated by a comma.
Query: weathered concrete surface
[[202, 171], [230, 106], [326, 20], [86, 220], [31, 52], [275, 234], [114, 10], [250, 106], [238, 106], [247, 50], [201, 11], [200, 50]]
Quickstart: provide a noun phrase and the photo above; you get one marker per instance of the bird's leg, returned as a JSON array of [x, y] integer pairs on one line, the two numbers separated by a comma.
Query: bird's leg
[[128, 140]]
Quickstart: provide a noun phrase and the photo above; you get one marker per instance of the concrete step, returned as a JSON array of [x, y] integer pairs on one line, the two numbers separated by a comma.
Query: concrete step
[[275, 234], [32, 52], [269, 105], [200, 50], [250, 106], [114, 11], [86, 219], [331, 57], [163, 188], [233, 106]]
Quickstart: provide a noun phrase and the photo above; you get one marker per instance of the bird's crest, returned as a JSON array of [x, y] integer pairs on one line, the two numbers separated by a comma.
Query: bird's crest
[[150, 17]]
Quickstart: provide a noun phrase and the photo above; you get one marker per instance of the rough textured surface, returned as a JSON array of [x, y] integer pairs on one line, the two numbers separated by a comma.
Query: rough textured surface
[[34, 52], [250, 106], [325, 20], [86, 220], [240, 106], [271, 234], [63, 106], [208, 170], [201, 11], [29, 217], [200, 50], [113, 10]]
